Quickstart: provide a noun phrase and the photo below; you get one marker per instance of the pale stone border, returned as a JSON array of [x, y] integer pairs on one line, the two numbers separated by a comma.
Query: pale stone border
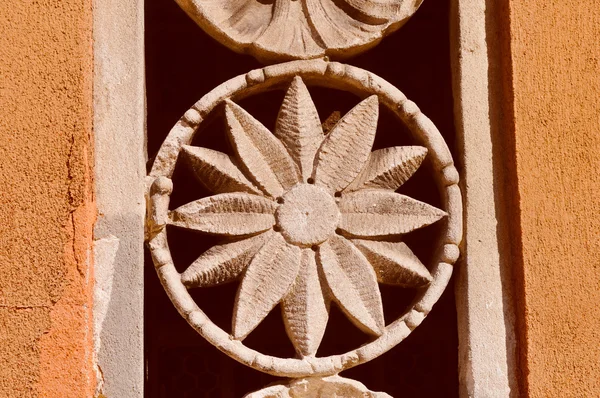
[[487, 348], [323, 73], [119, 134]]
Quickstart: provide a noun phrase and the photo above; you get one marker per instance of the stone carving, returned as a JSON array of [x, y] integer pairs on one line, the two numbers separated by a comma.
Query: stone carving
[[316, 387], [305, 215], [309, 201], [299, 29]]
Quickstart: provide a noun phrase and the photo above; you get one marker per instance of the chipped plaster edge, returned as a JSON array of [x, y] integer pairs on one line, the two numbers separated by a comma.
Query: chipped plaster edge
[[119, 139], [484, 297]]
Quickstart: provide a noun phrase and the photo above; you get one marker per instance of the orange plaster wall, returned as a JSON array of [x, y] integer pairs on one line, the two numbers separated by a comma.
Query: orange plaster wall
[[46, 203], [556, 85]]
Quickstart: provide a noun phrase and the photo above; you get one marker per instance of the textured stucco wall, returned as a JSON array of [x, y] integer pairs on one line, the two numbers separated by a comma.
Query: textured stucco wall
[[46, 205], [556, 85]]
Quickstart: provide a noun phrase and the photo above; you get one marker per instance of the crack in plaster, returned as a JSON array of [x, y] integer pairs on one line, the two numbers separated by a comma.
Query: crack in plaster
[[105, 251]]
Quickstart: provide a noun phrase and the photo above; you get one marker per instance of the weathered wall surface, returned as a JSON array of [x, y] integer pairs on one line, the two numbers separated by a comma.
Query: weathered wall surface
[[46, 206], [556, 85]]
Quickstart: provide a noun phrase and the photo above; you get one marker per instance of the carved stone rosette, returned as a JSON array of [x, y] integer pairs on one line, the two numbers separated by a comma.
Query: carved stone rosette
[[307, 219]]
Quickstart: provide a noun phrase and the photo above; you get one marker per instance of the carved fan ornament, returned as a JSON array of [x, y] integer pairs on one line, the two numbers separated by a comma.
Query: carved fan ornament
[[299, 29], [309, 219]]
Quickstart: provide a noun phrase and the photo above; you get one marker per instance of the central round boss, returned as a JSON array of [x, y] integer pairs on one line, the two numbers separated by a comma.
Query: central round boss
[[308, 215]]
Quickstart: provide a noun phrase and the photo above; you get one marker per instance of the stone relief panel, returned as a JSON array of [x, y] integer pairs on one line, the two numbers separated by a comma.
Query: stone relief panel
[[308, 219], [277, 30]]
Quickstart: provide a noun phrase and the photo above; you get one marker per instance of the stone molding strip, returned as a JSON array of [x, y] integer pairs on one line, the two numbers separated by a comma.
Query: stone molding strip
[[119, 134], [486, 313]]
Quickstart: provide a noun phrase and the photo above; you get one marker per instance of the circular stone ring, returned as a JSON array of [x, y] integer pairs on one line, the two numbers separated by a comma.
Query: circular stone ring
[[321, 73]]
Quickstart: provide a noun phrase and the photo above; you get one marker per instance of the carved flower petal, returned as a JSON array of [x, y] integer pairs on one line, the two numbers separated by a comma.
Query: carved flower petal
[[376, 11], [346, 149], [264, 158], [305, 310], [222, 263], [389, 168], [226, 214], [217, 171], [353, 283], [335, 28], [379, 213], [288, 31], [394, 263], [299, 127], [241, 20], [267, 280]]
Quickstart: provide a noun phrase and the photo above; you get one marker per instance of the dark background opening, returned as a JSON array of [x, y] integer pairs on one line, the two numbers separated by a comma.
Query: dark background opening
[[182, 64]]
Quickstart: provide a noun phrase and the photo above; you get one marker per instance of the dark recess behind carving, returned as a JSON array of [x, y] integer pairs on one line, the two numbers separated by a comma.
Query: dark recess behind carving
[[183, 64]]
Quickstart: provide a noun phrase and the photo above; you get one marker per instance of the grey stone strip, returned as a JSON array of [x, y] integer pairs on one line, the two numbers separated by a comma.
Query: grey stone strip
[[119, 133], [487, 367]]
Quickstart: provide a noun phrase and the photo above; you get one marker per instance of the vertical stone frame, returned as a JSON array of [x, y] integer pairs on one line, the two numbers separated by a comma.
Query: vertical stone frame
[[484, 285], [119, 130], [486, 317]]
